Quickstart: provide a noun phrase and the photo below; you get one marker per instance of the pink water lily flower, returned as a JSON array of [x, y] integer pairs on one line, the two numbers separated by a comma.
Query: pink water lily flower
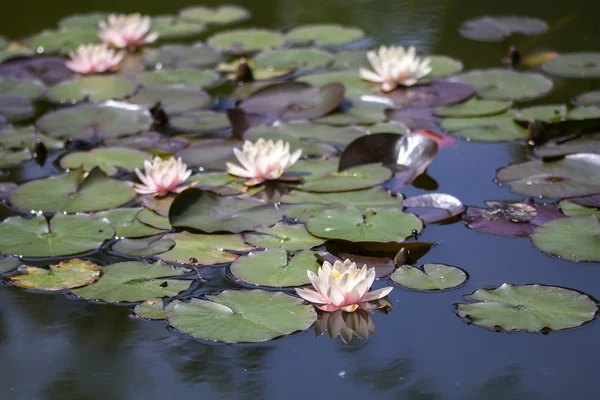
[[94, 58], [122, 31], [343, 286], [263, 160], [162, 177]]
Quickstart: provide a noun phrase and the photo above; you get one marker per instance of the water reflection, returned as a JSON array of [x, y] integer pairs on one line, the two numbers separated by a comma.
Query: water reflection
[[345, 325]]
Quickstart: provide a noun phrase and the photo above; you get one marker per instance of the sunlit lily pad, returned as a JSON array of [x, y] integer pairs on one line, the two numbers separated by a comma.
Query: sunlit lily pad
[[82, 22], [242, 316], [189, 77], [181, 56], [376, 197], [201, 249], [149, 217], [31, 89], [61, 41], [153, 309], [355, 225], [591, 98], [433, 207], [497, 128], [574, 239], [210, 153], [49, 70], [574, 175], [302, 212], [504, 84], [329, 134], [135, 281], [356, 112], [108, 159], [546, 113], [226, 14], [571, 209], [11, 158], [497, 28], [150, 141], [532, 308], [125, 221], [440, 92], [73, 192], [574, 65], [429, 277], [474, 108], [15, 108], [293, 59], [350, 79], [208, 212], [200, 121], [61, 236], [96, 121], [27, 137], [143, 247], [272, 268], [289, 237], [582, 113], [325, 34], [246, 40], [174, 99], [169, 27], [65, 275], [443, 66], [91, 88]]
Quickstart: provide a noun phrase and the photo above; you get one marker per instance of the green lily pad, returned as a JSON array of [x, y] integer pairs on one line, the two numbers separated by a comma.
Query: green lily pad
[[28, 88], [589, 143], [82, 22], [153, 309], [210, 153], [325, 178], [174, 99], [15, 108], [497, 28], [497, 128], [504, 84], [546, 113], [14, 51], [12, 158], [572, 176], [357, 112], [50, 41], [293, 59], [72, 192], [149, 217], [200, 121], [95, 121], [325, 34], [91, 88], [355, 225], [143, 247], [574, 239], [246, 40], [574, 65], [182, 57], [8, 264], [591, 98], [201, 249], [65, 275], [135, 281], [581, 113], [350, 79], [190, 77], [242, 316], [61, 236], [389, 127], [209, 212], [27, 138], [108, 159], [429, 277], [330, 134], [474, 108], [289, 237], [532, 308], [169, 27], [443, 66], [303, 211], [571, 209], [350, 60], [376, 197], [226, 14], [272, 268], [125, 221]]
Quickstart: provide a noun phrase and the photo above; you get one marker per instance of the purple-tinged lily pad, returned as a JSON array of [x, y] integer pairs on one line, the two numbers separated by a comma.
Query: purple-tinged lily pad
[[497, 28], [414, 117], [15, 108], [587, 201], [359, 111], [589, 143], [151, 141], [200, 121], [505, 84], [173, 99], [210, 153], [433, 207], [49, 70], [32, 89], [439, 92]]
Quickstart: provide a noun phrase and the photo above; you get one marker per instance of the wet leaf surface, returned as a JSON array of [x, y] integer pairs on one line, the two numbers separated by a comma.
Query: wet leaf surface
[[430, 277], [65, 275], [290, 237], [574, 239]]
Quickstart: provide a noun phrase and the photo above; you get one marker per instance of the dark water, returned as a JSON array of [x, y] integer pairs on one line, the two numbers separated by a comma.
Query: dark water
[[55, 348]]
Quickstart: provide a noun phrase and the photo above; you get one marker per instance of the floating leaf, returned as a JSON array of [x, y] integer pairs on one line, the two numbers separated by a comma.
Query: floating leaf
[[65, 275], [303, 211], [474, 108], [275, 133], [200, 121], [376, 197], [200, 249], [341, 136], [533, 308], [351, 81], [12, 158], [187, 77], [125, 221], [79, 22], [325, 34], [135, 281], [433, 207], [429, 277], [169, 27], [61, 236], [575, 210], [242, 316], [355, 225], [91, 88], [151, 141], [27, 138], [173, 99], [443, 66], [356, 112], [546, 113], [226, 14], [589, 143], [210, 153], [246, 40], [574, 239], [291, 59], [591, 98], [153, 219], [383, 266], [583, 113], [389, 127], [440, 92], [49, 41], [108, 159], [28, 88], [15, 108], [143, 247], [497, 128], [497, 28], [49, 70], [504, 84], [181, 56], [574, 65], [153, 309], [290, 237]]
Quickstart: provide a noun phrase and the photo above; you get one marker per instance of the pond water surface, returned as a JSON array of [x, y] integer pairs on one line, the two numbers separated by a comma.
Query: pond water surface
[[56, 348]]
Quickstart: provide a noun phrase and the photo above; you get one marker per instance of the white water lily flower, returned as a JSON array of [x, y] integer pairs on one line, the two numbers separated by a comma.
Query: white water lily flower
[[162, 177], [394, 66], [263, 160], [94, 58], [343, 286], [123, 31]]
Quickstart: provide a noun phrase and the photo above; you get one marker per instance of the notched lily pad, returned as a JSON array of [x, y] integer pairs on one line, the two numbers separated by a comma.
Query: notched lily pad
[[64, 275], [293, 59], [325, 34], [497, 28], [246, 40], [91, 88], [182, 56], [430, 277], [125, 221], [143, 247], [173, 99], [504, 84], [574, 239], [108, 159], [290, 237], [153, 309], [574, 65]]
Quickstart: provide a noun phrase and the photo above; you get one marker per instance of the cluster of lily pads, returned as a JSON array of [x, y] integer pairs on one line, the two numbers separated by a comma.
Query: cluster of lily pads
[[278, 159]]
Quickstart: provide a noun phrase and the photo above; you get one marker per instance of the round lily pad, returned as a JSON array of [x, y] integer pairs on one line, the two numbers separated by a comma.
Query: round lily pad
[[474, 108], [497, 28], [174, 99], [591, 98], [182, 56], [272, 268], [27, 138], [73, 192], [189, 77], [82, 22], [582, 113], [12, 158], [29, 88], [430, 277], [108, 159], [65, 275], [96, 121], [209, 212], [293, 59], [289, 237], [589, 143], [91, 88], [389, 127], [325, 34], [571, 209], [571, 176], [574, 239], [497, 128], [61, 236], [574, 65], [376, 197], [135, 281], [546, 113], [355, 225], [356, 112], [49, 70], [149, 217], [532, 308], [169, 27], [303, 211], [143, 247], [242, 316], [330, 134], [443, 66], [50, 41], [125, 221], [246, 40], [150, 141], [210, 153], [226, 14], [504, 84], [153, 309], [439, 92], [200, 121], [15, 108], [433, 207], [350, 80], [201, 249]]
